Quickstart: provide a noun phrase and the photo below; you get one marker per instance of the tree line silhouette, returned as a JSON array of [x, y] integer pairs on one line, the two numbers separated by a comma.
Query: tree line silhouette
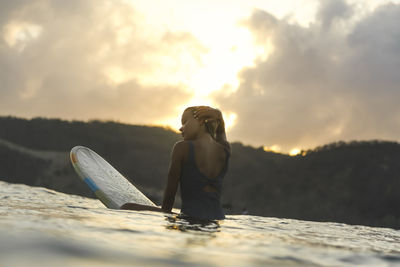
[[351, 182]]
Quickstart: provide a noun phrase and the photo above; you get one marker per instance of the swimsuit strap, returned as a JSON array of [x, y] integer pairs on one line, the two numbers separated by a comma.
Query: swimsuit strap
[[192, 160]]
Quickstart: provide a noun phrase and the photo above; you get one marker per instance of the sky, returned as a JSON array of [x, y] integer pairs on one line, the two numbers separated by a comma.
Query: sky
[[287, 75]]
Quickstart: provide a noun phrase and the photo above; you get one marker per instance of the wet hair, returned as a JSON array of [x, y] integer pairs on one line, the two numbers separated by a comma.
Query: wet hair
[[211, 128], [211, 125]]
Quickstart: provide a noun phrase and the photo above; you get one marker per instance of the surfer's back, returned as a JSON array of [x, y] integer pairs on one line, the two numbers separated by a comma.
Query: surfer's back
[[201, 193]]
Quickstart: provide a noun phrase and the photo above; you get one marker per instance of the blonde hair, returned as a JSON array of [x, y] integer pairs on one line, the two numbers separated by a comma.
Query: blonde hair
[[211, 125], [216, 128]]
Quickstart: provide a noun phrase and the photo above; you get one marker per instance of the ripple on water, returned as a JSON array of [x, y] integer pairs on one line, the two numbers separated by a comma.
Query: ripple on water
[[43, 226]]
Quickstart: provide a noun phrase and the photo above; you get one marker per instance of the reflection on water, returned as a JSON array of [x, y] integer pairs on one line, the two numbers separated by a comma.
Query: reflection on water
[[40, 227], [200, 231], [185, 224]]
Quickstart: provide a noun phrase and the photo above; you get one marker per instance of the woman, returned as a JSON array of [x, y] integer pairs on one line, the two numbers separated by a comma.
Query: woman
[[198, 163]]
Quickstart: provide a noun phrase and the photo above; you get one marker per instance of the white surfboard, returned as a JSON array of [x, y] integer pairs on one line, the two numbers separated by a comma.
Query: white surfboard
[[110, 187]]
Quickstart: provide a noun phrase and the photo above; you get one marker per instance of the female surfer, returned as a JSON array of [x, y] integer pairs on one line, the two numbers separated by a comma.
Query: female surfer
[[198, 163]]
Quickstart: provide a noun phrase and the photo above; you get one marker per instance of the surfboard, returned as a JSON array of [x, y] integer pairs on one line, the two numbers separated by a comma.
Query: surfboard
[[110, 187]]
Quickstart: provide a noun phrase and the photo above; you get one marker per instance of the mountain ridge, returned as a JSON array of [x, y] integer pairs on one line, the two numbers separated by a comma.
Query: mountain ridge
[[352, 182]]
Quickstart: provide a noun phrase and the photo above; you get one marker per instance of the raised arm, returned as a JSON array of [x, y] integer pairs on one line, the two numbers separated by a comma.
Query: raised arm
[[212, 114]]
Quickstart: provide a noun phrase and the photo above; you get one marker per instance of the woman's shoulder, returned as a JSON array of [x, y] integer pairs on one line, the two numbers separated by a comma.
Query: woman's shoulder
[[182, 144], [181, 149]]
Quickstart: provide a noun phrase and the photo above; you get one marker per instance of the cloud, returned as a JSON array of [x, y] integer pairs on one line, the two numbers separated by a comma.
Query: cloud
[[88, 59], [336, 79], [332, 10]]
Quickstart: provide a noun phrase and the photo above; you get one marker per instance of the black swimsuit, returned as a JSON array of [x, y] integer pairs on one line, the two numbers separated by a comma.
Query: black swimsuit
[[196, 201]]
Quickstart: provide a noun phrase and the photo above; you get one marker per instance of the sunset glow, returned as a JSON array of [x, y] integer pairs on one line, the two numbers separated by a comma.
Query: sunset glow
[[273, 148], [294, 152], [230, 121], [282, 72]]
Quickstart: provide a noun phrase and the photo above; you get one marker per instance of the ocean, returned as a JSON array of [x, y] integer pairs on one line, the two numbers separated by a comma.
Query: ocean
[[42, 227]]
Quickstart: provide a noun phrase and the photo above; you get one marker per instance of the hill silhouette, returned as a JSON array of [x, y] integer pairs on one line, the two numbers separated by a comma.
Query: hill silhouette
[[354, 182]]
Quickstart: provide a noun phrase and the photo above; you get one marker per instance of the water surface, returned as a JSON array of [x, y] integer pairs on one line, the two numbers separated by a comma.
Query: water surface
[[41, 227]]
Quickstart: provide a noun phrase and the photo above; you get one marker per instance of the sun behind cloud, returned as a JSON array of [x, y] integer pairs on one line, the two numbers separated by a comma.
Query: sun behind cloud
[[304, 73]]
